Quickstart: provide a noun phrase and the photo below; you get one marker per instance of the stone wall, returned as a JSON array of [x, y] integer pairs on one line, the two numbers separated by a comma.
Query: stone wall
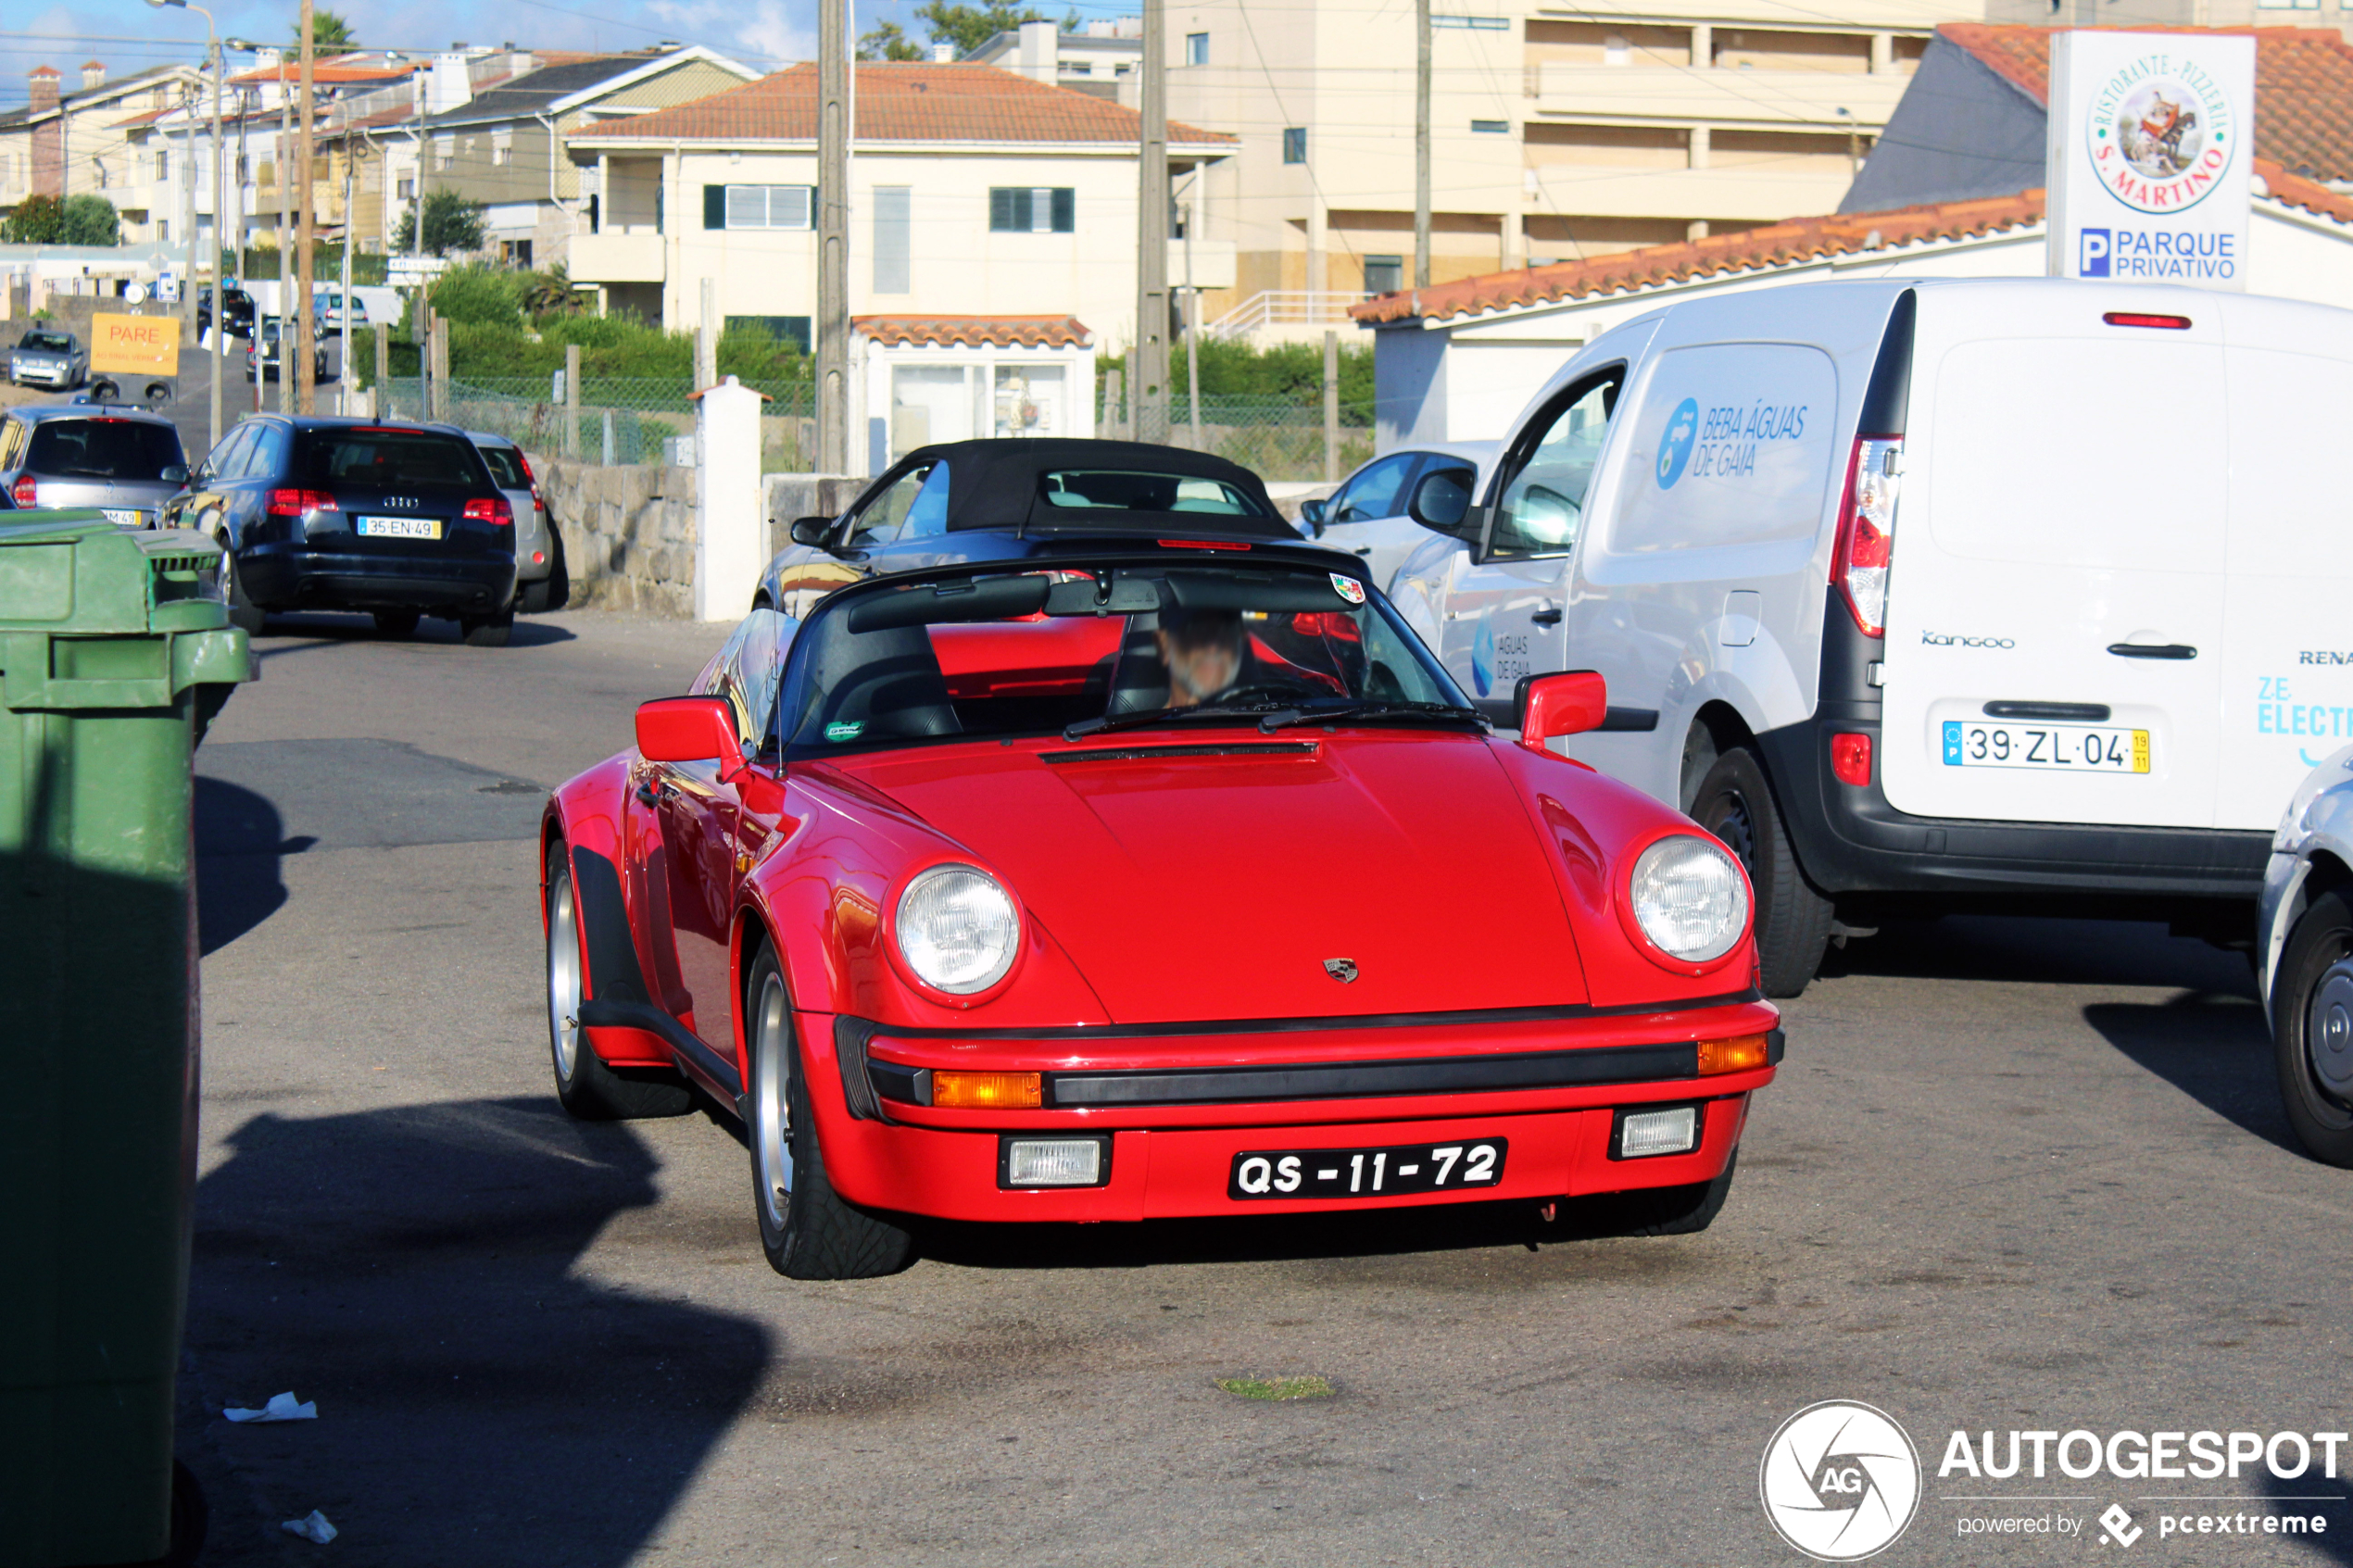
[[628, 533]]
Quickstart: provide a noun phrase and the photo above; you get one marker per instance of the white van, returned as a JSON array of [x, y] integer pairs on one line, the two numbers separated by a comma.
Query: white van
[[1927, 595]]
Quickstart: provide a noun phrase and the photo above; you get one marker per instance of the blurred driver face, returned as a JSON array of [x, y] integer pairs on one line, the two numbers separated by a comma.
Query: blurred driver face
[[1203, 656]]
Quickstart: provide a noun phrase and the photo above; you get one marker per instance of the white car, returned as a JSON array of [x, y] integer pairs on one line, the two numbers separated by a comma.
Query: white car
[[1924, 595], [2304, 958], [1366, 515]]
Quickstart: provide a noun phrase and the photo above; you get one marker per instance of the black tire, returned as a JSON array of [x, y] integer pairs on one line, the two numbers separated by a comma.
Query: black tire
[[487, 631], [242, 611], [396, 622], [2313, 992], [585, 1085], [1735, 803], [808, 1230], [1681, 1211]]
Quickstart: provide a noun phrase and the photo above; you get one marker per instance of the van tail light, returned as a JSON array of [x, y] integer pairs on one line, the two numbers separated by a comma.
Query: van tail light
[[1867, 530], [492, 509], [1851, 758], [25, 491], [294, 503]]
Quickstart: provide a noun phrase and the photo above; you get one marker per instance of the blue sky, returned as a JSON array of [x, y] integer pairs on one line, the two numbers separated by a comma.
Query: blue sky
[[128, 35]]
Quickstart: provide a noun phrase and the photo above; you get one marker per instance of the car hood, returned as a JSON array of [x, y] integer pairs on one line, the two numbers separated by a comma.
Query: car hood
[[1230, 886]]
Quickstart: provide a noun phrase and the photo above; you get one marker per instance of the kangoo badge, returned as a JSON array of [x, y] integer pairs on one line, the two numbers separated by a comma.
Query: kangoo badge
[[1348, 589], [2160, 134]]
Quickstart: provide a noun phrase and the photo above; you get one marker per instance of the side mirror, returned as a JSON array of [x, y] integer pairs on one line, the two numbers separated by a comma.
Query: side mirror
[[813, 531], [175, 474], [1546, 706], [692, 729], [1312, 517], [1440, 501]]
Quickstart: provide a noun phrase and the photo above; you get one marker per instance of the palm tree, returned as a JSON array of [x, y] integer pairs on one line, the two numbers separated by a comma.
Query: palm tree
[[329, 33]]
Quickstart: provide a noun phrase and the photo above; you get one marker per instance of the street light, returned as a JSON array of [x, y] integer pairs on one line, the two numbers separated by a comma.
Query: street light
[[220, 284]]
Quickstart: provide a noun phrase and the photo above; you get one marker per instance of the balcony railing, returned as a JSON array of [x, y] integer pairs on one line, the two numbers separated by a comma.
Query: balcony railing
[[1287, 307]]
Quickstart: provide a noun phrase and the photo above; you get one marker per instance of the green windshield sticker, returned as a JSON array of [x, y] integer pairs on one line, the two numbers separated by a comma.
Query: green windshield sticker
[[845, 729]]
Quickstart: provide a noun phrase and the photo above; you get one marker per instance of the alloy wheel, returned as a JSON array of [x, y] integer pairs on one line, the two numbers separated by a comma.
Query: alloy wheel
[[771, 1112]]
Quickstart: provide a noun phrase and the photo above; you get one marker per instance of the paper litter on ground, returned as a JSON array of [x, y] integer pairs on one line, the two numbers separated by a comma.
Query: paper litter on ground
[[281, 1407], [312, 1527]]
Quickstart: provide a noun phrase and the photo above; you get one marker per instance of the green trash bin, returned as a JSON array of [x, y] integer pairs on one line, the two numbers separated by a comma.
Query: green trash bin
[[115, 651]]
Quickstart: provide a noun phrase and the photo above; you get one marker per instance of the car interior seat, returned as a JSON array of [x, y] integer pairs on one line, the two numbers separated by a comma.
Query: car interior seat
[[888, 682]]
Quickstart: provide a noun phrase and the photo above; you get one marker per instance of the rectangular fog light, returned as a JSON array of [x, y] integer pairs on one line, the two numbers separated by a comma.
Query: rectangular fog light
[[1054, 1162], [1641, 1133]]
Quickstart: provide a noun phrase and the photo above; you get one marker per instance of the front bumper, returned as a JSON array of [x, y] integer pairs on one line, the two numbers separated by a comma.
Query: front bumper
[[1178, 1107], [287, 577], [41, 375]]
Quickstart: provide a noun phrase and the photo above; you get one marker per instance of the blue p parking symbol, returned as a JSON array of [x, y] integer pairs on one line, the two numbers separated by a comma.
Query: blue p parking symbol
[[2092, 253]]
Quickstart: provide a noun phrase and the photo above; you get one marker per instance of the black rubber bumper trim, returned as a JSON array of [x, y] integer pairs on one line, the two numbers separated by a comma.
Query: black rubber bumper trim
[[641, 1015], [618, 998], [1368, 1080]]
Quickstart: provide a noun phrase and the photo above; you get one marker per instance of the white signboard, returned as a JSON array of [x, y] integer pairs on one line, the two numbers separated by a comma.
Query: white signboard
[[2151, 139], [415, 269]]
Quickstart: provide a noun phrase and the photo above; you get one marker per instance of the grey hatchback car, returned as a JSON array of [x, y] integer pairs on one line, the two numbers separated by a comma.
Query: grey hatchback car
[[543, 582], [125, 461], [49, 356]]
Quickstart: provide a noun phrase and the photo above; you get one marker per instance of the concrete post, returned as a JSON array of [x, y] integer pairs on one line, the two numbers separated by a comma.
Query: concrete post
[[707, 336], [730, 523], [1331, 407], [572, 400]]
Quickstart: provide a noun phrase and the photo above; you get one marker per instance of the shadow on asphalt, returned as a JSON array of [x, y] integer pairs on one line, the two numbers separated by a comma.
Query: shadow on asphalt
[[414, 1270], [2063, 952], [2335, 1543], [2214, 1048], [325, 628], [240, 839]]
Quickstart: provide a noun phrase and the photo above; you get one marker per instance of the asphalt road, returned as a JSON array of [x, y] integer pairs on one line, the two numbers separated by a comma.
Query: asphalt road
[[2021, 1175]]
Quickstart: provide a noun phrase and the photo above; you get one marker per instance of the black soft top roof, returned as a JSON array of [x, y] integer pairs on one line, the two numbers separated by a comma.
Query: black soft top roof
[[996, 485]]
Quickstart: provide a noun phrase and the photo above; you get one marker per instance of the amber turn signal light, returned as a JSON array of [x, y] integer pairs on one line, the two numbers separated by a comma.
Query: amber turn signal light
[[1745, 1053], [1009, 1091]]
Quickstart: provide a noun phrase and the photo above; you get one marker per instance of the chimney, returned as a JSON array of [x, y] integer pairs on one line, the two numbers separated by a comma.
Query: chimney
[[1039, 45], [93, 74], [449, 84], [43, 88], [943, 53]]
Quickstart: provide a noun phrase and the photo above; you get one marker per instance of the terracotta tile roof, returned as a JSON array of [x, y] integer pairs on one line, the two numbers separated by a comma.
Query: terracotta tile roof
[[912, 102], [975, 331], [2303, 85], [1775, 245], [291, 70]]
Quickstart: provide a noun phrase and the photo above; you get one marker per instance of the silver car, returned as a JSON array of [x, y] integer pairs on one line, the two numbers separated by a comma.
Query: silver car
[[1367, 516], [2304, 958], [542, 581], [124, 461], [47, 356]]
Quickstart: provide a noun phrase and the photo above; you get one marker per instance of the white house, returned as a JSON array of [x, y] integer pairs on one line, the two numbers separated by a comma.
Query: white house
[[973, 192]]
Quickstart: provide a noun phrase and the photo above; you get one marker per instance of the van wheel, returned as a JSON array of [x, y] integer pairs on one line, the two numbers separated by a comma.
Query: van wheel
[[2312, 1029], [1793, 920]]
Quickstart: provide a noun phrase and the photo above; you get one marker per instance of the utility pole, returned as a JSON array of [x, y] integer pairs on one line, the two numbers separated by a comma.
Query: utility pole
[[1148, 377], [1421, 143], [1331, 406], [285, 237], [188, 185], [220, 216], [306, 230], [1192, 313], [833, 236], [343, 361]]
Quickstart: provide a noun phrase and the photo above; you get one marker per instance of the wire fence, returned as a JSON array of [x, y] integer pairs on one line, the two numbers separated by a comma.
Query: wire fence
[[642, 419]]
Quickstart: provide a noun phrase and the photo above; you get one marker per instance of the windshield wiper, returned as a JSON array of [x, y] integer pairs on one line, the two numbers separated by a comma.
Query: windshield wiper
[[1109, 722], [1372, 712]]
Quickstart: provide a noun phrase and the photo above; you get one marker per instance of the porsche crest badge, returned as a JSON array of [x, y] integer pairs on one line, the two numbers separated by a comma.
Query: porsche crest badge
[[1342, 970]]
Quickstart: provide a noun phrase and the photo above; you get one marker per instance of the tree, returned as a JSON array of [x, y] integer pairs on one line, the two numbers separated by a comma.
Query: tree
[[550, 290], [969, 27], [38, 220], [91, 219], [888, 42], [451, 223], [329, 33]]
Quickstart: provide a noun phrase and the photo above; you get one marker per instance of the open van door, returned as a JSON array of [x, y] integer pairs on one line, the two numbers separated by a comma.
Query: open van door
[[2055, 604]]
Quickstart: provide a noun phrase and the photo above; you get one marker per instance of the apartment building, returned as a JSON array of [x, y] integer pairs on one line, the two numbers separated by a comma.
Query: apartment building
[[1557, 134], [973, 192], [73, 143], [1099, 58]]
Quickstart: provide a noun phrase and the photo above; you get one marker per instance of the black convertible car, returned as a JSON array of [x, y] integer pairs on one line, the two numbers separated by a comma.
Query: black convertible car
[[1005, 500]]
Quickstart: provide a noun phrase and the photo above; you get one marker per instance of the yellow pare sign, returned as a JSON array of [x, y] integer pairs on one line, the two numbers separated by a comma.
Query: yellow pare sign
[[134, 346]]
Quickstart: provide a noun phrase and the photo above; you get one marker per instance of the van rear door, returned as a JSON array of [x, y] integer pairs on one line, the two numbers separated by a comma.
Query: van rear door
[[2287, 669], [2055, 597]]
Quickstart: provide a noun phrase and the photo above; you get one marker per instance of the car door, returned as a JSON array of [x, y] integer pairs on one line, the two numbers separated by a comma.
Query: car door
[[1367, 516], [204, 507], [265, 462], [1505, 606]]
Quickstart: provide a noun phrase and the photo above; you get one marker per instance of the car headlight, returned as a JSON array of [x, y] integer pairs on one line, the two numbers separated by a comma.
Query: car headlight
[[958, 929], [1690, 899]]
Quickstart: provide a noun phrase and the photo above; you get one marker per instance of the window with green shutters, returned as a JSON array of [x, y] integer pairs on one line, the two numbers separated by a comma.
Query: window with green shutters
[[1039, 209], [757, 207]]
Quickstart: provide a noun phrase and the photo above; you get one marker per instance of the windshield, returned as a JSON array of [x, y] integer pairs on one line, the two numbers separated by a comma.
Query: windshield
[[1088, 647], [103, 448], [47, 342], [506, 467]]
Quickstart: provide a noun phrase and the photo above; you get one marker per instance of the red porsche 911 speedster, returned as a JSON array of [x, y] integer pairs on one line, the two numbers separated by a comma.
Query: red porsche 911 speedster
[[1141, 878]]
